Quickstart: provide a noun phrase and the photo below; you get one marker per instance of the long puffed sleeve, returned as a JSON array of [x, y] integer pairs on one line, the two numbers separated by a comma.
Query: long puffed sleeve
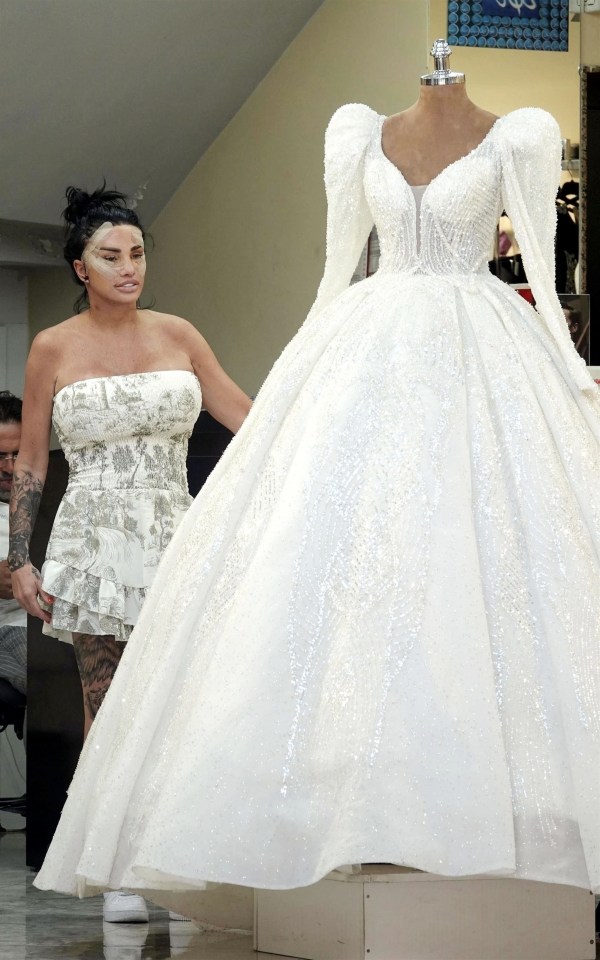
[[531, 152], [349, 220]]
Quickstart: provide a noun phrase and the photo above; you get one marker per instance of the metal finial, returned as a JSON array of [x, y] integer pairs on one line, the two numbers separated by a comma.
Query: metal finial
[[442, 73], [440, 52]]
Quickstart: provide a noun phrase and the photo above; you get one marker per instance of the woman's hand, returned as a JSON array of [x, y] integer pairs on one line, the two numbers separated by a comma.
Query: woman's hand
[[27, 590]]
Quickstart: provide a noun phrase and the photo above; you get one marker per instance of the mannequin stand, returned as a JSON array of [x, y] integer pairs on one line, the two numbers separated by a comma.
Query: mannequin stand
[[392, 913]]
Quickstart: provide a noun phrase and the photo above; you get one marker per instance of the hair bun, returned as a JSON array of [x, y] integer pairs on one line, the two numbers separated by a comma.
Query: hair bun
[[78, 203], [85, 206]]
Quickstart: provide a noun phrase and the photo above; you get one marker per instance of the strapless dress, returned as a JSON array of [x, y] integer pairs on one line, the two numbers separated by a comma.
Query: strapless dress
[[125, 439]]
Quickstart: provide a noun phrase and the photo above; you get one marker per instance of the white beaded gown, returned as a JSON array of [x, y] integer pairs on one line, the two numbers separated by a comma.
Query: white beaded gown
[[375, 635]]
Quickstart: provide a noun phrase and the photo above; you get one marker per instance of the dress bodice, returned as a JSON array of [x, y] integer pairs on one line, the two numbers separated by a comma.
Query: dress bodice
[[446, 227], [128, 431], [448, 236]]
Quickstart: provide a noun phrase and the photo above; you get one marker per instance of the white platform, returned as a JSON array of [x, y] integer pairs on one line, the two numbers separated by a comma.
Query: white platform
[[391, 913]]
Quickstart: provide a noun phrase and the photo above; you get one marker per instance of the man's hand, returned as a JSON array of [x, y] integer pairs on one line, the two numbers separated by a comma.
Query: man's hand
[[27, 586], [6, 592]]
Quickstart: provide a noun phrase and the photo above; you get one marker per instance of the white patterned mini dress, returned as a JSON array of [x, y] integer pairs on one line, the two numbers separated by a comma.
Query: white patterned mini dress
[[125, 439]]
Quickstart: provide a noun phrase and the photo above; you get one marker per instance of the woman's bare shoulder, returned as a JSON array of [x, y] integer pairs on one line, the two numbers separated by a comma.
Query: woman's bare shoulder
[[52, 338], [171, 325]]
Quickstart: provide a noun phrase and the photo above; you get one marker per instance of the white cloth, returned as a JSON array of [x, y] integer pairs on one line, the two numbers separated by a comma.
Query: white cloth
[[11, 613], [418, 194], [375, 634]]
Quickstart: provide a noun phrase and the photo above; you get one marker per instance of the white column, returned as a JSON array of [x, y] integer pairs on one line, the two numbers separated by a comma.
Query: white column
[[14, 336]]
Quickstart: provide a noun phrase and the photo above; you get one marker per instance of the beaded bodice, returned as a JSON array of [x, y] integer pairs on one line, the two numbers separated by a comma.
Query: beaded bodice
[[450, 227], [449, 234]]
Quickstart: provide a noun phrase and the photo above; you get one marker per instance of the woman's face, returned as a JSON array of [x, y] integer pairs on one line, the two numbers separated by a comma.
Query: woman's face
[[113, 264]]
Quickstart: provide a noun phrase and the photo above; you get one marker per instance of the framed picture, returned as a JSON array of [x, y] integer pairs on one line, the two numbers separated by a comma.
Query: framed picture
[[509, 24]]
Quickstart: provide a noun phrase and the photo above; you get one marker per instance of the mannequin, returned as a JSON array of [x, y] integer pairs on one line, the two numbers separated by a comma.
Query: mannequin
[[441, 127]]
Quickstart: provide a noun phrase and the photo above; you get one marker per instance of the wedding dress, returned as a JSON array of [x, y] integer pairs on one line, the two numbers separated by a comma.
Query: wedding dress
[[375, 635]]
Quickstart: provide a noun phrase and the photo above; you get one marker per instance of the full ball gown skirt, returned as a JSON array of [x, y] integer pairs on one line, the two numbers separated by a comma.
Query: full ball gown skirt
[[375, 635]]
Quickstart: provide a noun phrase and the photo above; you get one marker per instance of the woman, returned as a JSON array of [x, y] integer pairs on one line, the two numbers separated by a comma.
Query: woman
[[123, 387]]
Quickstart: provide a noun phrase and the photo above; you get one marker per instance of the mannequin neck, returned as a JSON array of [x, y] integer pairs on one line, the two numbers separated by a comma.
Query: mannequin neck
[[441, 99]]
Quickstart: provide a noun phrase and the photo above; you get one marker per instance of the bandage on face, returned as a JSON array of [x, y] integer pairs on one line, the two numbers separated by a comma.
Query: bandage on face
[[111, 249]]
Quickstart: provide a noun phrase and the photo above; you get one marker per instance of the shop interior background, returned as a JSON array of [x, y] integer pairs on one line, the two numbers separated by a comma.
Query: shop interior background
[[223, 149], [212, 114]]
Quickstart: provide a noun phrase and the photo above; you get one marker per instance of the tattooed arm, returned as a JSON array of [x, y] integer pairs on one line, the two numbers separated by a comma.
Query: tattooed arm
[[24, 503], [30, 474], [26, 580]]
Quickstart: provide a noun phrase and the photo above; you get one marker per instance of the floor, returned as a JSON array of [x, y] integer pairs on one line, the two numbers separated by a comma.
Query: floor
[[43, 926]]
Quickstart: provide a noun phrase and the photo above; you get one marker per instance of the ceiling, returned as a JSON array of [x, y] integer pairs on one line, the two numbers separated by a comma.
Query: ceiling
[[133, 91]]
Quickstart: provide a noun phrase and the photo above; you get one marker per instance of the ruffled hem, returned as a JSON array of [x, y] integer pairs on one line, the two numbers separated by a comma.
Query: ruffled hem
[[115, 535], [88, 604]]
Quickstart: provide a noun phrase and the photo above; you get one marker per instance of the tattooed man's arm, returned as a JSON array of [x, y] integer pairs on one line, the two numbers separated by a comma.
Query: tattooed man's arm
[[24, 504], [30, 469], [25, 499]]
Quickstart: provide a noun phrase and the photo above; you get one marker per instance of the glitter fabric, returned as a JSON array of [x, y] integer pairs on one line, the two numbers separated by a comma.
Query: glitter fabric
[[375, 635]]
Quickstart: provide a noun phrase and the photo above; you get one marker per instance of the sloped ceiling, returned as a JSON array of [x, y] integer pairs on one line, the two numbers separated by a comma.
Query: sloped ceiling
[[133, 91]]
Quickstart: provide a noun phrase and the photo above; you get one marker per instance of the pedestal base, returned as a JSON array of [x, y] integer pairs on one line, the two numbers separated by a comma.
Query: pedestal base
[[391, 913]]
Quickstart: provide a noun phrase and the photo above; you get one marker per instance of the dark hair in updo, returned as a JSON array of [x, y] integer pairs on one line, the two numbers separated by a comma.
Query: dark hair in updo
[[84, 213]]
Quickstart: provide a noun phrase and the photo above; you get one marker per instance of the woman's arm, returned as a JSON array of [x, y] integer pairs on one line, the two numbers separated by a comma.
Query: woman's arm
[[223, 399], [30, 472]]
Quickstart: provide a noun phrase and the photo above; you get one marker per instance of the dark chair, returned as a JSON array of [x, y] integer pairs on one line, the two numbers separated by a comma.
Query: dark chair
[[12, 708], [12, 714]]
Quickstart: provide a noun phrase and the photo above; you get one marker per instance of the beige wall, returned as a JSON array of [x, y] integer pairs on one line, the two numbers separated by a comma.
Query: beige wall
[[52, 294], [240, 247], [503, 80], [590, 39]]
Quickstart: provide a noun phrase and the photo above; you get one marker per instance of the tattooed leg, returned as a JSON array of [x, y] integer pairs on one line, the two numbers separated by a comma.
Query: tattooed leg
[[97, 658]]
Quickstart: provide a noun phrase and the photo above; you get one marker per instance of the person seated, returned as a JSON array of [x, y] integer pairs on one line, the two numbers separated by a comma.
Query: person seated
[[13, 618]]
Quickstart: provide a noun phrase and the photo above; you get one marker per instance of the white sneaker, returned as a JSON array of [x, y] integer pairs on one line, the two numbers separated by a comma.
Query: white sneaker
[[124, 941], [121, 907], [178, 916], [182, 936]]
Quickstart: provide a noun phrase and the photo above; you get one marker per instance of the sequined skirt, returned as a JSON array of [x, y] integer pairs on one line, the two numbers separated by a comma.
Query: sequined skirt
[[374, 637]]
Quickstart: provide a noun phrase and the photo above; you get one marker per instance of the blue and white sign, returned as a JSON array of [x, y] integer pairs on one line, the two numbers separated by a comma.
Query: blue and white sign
[[509, 24], [512, 8]]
